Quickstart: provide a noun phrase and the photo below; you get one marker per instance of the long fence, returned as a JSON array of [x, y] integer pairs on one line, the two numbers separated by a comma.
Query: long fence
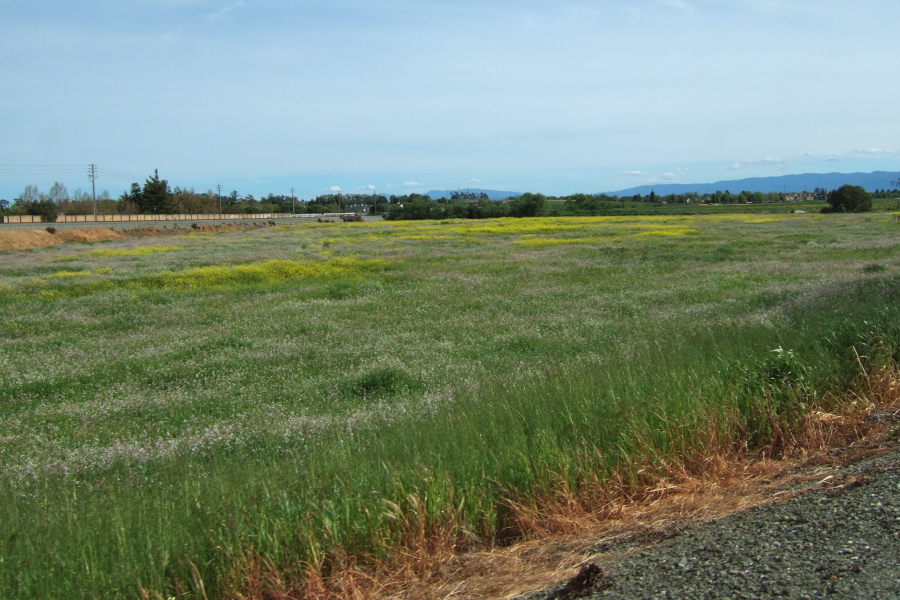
[[179, 217]]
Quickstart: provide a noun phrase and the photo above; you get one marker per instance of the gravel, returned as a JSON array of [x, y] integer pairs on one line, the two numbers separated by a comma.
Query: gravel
[[841, 540]]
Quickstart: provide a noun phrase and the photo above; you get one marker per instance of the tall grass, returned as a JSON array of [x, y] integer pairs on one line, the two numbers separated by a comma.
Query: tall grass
[[185, 440]]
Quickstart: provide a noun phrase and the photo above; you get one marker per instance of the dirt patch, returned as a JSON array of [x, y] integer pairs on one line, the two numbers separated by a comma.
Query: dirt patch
[[23, 239], [181, 229]]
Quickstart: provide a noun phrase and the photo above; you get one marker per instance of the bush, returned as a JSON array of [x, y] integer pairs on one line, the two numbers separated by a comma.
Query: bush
[[51, 230], [380, 383], [46, 209]]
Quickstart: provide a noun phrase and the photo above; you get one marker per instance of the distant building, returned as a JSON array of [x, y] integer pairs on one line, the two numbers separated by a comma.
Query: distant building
[[799, 197]]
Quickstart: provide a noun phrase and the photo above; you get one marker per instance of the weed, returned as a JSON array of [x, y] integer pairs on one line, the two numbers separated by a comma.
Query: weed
[[383, 382]]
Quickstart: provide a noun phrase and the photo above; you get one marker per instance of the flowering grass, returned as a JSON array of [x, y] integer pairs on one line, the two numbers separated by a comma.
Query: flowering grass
[[270, 271], [69, 274], [134, 251], [292, 395]]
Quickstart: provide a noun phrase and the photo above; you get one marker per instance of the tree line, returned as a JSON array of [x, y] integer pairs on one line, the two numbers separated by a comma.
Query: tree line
[[156, 197], [848, 198]]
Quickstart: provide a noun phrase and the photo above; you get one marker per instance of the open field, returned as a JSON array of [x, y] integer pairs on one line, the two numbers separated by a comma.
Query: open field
[[184, 415]]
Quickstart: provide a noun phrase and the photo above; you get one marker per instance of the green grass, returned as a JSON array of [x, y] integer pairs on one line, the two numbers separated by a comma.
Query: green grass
[[283, 393]]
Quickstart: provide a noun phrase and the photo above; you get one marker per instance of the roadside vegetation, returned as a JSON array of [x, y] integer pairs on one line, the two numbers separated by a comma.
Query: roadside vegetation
[[291, 410]]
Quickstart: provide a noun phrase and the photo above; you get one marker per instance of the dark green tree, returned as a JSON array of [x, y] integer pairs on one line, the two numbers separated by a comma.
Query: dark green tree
[[131, 202], [527, 205], [849, 198], [156, 197]]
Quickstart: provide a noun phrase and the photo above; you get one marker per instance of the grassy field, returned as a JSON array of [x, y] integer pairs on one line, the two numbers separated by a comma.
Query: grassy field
[[179, 417]]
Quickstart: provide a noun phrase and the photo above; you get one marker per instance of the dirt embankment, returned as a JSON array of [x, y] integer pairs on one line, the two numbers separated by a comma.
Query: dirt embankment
[[23, 239]]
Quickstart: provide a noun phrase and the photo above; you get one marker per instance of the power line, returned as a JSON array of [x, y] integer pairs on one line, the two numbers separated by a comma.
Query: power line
[[40, 166], [41, 169], [117, 174]]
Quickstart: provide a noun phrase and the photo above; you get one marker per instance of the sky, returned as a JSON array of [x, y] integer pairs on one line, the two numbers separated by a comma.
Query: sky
[[401, 96]]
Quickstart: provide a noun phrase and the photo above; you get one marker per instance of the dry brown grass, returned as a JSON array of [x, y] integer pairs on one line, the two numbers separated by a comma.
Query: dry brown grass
[[23, 239], [559, 533]]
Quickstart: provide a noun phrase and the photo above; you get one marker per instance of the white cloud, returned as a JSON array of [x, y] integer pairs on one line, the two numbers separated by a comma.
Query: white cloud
[[829, 156], [411, 184], [474, 181], [335, 189], [219, 14], [759, 162], [370, 187], [633, 173], [664, 177], [873, 151]]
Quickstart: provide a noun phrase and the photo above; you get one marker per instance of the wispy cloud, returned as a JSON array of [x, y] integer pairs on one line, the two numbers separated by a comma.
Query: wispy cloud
[[762, 4], [221, 13], [411, 184], [335, 189], [633, 173], [759, 162], [873, 151], [829, 156], [677, 5], [664, 178]]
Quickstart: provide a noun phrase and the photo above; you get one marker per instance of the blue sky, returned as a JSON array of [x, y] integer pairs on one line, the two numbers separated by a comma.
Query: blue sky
[[407, 96]]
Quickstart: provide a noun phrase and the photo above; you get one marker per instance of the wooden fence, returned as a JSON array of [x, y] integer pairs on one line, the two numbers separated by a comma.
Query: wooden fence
[[152, 218]]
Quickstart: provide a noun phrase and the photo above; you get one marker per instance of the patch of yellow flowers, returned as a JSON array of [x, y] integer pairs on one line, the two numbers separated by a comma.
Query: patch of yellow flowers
[[135, 251], [269, 271]]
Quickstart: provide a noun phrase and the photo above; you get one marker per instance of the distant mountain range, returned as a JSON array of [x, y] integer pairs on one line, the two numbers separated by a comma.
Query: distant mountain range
[[492, 194], [879, 180]]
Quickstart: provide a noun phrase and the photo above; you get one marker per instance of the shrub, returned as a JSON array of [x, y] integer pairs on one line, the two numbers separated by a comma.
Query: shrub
[[381, 383], [51, 230]]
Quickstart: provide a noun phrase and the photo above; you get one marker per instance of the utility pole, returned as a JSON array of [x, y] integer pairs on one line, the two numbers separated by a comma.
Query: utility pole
[[93, 177], [219, 198], [292, 202]]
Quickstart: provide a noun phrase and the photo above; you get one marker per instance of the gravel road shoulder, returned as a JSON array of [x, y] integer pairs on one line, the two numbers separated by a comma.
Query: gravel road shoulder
[[839, 538]]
